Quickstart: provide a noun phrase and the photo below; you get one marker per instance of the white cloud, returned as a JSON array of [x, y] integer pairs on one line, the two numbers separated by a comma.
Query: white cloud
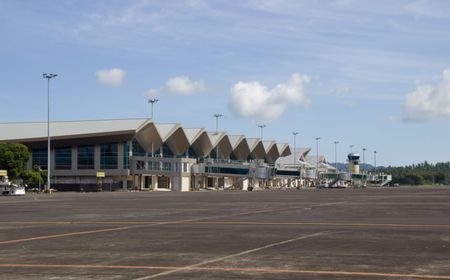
[[429, 102], [112, 77], [183, 85], [255, 101]]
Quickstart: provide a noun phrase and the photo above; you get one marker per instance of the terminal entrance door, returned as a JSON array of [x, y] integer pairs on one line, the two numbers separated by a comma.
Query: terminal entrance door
[[148, 182], [163, 182]]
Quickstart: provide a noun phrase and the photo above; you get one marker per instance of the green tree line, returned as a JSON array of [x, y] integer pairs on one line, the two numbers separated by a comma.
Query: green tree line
[[14, 158], [420, 174]]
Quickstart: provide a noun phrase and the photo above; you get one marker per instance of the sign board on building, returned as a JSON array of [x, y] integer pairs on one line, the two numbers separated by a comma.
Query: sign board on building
[[101, 174], [3, 172]]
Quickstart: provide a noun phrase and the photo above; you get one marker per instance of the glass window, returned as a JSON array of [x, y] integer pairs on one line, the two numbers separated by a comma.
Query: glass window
[[108, 156], [39, 158], [165, 151], [167, 166], [126, 155], [186, 167], [137, 149], [86, 157], [63, 158]]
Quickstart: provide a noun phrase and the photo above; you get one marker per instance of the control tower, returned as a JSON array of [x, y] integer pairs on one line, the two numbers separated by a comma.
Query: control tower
[[353, 163]]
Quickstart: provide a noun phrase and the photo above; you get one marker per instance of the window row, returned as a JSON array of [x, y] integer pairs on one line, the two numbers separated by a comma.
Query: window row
[[85, 157]]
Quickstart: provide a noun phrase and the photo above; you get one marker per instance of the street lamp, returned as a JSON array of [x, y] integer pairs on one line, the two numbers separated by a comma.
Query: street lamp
[[217, 116], [153, 101], [335, 154], [375, 161], [317, 161], [364, 164], [48, 77], [262, 127], [364, 158], [295, 147]]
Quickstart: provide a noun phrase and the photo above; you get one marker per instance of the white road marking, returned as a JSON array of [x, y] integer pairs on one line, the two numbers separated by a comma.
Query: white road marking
[[231, 256]]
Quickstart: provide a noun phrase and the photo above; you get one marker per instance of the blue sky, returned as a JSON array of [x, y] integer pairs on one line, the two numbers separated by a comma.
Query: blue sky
[[371, 74]]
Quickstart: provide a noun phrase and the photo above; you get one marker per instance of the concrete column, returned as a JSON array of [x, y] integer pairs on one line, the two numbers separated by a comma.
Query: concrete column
[[74, 158], [124, 183], [120, 155], [136, 182], [154, 183]]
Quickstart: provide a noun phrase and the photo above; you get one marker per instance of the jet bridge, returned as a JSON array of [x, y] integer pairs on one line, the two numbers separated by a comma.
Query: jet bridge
[[228, 173]]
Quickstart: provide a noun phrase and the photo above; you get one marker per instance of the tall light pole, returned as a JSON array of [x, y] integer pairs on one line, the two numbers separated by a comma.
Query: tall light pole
[[364, 164], [364, 158], [262, 127], [335, 154], [217, 116], [48, 77], [375, 161], [153, 101], [295, 147], [317, 161]]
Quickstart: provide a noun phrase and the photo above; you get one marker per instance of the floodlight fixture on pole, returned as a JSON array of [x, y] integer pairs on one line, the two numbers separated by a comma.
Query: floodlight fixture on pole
[[262, 127], [335, 154], [317, 160], [217, 116], [48, 77], [153, 101]]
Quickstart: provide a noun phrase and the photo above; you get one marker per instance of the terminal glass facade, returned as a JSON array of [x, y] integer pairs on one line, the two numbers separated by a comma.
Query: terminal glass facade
[[63, 158], [137, 149], [126, 155], [39, 158], [190, 153], [165, 151], [108, 156], [86, 157]]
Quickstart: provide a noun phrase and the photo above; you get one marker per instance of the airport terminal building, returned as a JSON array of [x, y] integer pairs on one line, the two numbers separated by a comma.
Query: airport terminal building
[[143, 155]]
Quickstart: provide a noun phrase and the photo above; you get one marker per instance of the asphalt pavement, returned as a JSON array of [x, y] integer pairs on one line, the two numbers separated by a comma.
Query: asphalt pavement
[[375, 233]]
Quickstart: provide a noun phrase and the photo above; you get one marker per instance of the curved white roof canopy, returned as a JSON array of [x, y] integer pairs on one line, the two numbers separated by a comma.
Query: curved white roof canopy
[[174, 137], [300, 158], [284, 149], [272, 154], [37, 131], [92, 131], [257, 150], [199, 141], [241, 150], [149, 135], [221, 140]]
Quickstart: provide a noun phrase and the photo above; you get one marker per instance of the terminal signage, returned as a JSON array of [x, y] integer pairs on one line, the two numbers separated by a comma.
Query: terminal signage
[[3, 172], [101, 174]]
